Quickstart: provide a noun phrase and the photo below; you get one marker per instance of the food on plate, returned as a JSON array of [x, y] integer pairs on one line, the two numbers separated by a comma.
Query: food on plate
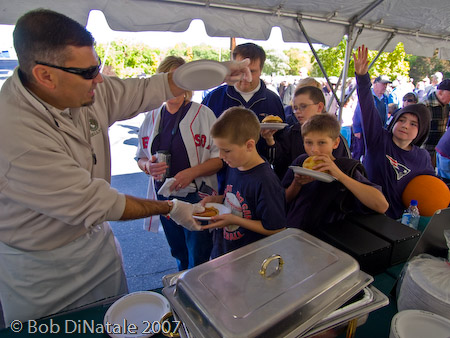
[[209, 212], [310, 162], [272, 119]]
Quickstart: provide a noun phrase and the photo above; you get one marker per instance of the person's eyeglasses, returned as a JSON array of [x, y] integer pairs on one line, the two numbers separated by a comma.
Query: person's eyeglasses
[[303, 106], [86, 73], [408, 100]]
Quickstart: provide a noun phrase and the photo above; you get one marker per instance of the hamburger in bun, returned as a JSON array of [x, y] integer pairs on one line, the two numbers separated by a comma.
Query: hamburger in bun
[[272, 119], [209, 212], [310, 163]]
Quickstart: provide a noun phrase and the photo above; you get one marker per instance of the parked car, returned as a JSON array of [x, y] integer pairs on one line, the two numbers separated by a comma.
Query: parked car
[[6, 68]]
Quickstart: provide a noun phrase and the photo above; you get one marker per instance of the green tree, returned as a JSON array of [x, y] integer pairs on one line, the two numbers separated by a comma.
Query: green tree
[[297, 60], [210, 53], [180, 49], [127, 59], [199, 52], [392, 64], [422, 67], [276, 63], [332, 59]]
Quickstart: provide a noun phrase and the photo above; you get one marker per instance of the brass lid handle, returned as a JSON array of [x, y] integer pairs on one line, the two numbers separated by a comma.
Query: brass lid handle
[[266, 263]]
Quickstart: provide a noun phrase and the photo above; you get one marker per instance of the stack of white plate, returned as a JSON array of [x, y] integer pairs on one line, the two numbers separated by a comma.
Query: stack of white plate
[[419, 324], [426, 286]]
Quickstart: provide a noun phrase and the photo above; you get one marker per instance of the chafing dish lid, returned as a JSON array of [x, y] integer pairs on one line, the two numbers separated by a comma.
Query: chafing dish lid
[[304, 273]]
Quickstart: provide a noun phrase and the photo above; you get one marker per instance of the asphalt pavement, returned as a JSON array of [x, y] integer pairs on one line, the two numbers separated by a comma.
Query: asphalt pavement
[[146, 254]]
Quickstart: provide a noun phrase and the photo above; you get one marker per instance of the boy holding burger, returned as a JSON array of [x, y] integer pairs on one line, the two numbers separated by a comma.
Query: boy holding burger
[[283, 147], [252, 190], [312, 202]]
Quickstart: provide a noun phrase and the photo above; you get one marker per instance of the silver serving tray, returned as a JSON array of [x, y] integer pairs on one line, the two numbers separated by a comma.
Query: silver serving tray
[[236, 295], [359, 309], [339, 318]]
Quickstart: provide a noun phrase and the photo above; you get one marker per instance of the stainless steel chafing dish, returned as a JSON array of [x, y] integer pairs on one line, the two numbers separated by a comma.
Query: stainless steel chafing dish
[[280, 286]]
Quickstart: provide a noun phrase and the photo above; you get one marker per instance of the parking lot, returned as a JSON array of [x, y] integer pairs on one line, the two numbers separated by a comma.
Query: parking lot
[[146, 255]]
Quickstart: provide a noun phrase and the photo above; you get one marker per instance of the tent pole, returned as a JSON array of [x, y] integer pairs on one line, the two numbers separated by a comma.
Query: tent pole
[[353, 46], [365, 11], [383, 47], [348, 51], [349, 47], [324, 72]]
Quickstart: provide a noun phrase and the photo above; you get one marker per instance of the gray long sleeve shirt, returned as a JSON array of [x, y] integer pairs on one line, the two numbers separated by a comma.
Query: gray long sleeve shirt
[[55, 166]]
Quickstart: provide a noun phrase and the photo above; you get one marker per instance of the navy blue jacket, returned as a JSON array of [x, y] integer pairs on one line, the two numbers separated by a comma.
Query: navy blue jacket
[[264, 102]]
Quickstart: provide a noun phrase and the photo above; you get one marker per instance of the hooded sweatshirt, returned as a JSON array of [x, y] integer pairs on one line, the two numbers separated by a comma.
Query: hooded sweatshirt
[[386, 164], [423, 115]]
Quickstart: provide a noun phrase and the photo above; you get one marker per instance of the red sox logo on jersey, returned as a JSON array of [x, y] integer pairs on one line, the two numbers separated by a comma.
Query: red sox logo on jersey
[[200, 141], [400, 169]]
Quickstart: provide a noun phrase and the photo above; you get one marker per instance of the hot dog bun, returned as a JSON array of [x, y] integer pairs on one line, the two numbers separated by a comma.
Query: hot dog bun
[[310, 162], [209, 212], [272, 119]]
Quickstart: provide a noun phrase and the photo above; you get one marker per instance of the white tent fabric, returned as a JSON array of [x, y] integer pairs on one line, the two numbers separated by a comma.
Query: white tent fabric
[[421, 25]]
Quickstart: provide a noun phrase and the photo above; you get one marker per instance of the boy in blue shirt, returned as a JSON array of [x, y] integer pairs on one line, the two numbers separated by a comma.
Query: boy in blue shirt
[[252, 190], [283, 147], [313, 202]]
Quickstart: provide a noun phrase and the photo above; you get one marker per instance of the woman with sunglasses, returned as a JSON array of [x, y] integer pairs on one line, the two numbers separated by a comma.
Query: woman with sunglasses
[[408, 99]]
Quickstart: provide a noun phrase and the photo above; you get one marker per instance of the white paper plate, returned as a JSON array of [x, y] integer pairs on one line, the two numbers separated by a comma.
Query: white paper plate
[[273, 125], [200, 75], [222, 210], [140, 308], [419, 324], [316, 174]]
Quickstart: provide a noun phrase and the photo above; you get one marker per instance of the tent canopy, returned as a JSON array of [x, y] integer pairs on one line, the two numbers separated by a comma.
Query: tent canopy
[[421, 25]]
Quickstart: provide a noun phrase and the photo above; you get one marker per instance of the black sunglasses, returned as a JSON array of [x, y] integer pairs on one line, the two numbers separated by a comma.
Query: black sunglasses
[[86, 73]]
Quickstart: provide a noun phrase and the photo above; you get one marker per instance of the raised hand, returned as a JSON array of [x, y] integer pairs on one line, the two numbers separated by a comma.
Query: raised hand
[[361, 61]]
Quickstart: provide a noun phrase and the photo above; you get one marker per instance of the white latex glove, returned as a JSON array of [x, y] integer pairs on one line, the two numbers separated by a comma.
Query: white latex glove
[[237, 71], [181, 214]]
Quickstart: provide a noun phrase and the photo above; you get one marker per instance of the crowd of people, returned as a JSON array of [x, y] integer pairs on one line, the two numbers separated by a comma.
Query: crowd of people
[[57, 250], [390, 96]]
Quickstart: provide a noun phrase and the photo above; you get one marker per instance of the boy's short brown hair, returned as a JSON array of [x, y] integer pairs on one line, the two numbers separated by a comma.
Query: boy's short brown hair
[[308, 82], [237, 125], [322, 123], [314, 93]]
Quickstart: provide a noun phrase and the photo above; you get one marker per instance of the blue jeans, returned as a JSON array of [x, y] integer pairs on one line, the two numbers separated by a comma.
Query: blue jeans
[[443, 166], [346, 131], [357, 147], [189, 248]]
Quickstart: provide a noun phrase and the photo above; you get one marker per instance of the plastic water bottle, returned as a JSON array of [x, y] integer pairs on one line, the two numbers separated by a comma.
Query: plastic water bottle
[[411, 215]]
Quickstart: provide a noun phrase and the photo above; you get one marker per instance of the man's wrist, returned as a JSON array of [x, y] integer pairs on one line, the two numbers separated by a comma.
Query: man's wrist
[[170, 205]]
